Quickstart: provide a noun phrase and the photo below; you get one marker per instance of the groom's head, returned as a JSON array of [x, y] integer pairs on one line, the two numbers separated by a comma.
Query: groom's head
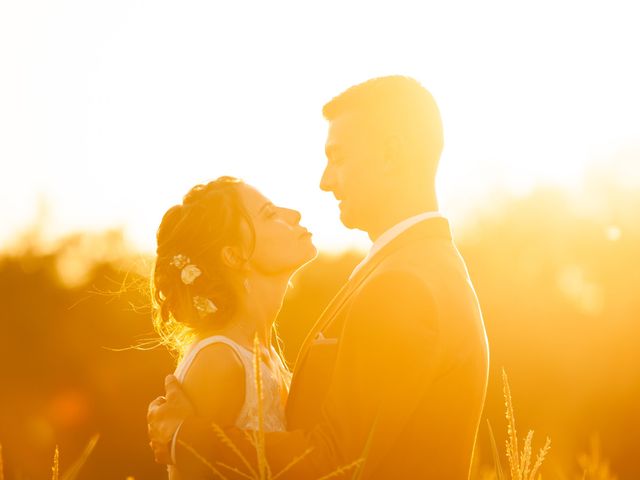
[[383, 147]]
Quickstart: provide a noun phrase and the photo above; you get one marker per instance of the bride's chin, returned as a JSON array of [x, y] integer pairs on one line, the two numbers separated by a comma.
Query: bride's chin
[[311, 255], [313, 252]]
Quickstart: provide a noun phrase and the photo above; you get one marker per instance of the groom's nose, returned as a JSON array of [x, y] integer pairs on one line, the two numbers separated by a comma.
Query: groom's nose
[[327, 180]]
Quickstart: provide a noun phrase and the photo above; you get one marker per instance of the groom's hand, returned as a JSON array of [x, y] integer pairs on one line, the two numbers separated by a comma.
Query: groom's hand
[[164, 416]]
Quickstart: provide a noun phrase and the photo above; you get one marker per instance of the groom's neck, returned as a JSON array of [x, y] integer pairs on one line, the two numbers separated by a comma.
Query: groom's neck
[[399, 211]]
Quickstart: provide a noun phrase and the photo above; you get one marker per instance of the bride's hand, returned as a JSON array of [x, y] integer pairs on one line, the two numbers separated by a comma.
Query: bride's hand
[[164, 416]]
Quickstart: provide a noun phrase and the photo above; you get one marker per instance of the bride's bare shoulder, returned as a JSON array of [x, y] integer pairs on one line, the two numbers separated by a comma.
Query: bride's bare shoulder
[[215, 383]]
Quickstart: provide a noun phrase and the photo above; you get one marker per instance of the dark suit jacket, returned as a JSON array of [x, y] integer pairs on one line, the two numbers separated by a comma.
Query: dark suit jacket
[[397, 377]]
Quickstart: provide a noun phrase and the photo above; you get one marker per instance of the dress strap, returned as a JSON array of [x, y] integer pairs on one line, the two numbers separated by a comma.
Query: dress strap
[[274, 386], [244, 354]]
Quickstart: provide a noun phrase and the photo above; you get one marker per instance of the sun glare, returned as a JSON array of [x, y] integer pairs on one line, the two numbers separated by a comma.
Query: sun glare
[[110, 112], [131, 117]]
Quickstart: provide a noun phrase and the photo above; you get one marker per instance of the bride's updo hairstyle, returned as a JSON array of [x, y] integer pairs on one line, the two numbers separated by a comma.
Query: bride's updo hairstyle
[[191, 288]]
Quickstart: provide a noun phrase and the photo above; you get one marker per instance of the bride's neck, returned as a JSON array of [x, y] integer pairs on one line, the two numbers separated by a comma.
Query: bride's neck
[[259, 303]]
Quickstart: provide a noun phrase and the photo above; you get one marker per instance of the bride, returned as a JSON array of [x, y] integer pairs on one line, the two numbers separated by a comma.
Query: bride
[[224, 260]]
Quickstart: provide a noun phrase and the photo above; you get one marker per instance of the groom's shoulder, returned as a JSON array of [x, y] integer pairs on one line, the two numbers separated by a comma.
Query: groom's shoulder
[[433, 273], [391, 298], [390, 288], [420, 260]]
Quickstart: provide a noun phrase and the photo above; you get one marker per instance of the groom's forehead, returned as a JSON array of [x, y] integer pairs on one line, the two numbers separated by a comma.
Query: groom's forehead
[[345, 127]]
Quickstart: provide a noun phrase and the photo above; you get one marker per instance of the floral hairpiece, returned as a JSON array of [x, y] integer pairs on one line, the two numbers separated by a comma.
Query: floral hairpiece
[[188, 274], [188, 271], [204, 305]]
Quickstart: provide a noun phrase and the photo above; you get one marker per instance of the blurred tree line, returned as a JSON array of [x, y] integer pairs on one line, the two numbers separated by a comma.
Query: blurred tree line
[[558, 281]]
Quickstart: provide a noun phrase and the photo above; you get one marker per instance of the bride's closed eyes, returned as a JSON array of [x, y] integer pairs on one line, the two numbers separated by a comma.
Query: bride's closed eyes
[[272, 212], [268, 210]]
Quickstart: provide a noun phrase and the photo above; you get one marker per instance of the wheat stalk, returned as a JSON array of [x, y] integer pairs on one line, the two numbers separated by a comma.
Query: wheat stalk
[[250, 435], [202, 459], [519, 463], [56, 465], [74, 470], [258, 441], [225, 440], [293, 462], [340, 470], [594, 466], [263, 465], [512, 441], [525, 459], [359, 472], [235, 470], [540, 458]]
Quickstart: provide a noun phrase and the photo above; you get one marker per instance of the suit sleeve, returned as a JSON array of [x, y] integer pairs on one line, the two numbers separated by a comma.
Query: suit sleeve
[[388, 354]]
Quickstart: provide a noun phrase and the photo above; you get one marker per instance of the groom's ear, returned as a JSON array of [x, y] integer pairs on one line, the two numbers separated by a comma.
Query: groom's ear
[[393, 153]]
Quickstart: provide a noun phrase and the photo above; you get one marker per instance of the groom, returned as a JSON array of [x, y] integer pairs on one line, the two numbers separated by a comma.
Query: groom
[[392, 378]]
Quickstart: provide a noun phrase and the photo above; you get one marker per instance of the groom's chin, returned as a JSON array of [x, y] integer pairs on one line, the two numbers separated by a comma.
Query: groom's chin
[[344, 218], [347, 217], [347, 221]]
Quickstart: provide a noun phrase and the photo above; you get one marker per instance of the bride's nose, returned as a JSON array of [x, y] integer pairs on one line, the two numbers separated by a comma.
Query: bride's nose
[[293, 216]]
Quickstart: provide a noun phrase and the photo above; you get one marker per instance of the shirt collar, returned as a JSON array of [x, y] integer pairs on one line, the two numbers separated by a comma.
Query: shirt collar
[[392, 233]]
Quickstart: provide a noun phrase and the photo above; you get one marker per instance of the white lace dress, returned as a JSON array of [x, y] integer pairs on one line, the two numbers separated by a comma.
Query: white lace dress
[[275, 386]]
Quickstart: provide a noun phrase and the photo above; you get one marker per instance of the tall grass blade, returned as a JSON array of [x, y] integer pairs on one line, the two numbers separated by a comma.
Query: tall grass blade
[[74, 470], [55, 469], [263, 465], [225, 440], [594, 466], [235, 470], [512, 443], [292, 463], [1, 464], [541, 456], [250, 435], [341, 470], [495, 453], [213, 469], [525, 458], [357, 474]]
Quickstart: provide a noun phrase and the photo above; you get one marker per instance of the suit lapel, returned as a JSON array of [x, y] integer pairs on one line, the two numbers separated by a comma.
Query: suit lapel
[[332, 309], [327, 315], [434, 227]]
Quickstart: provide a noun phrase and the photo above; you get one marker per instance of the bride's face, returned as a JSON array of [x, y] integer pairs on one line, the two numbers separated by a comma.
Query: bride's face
[[282, 245]]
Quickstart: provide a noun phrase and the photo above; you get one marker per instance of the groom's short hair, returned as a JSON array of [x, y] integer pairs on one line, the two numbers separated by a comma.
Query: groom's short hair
[[397, 103]]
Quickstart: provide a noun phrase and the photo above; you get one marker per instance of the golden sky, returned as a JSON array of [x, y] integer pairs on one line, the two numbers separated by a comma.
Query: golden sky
[[111, 111]]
